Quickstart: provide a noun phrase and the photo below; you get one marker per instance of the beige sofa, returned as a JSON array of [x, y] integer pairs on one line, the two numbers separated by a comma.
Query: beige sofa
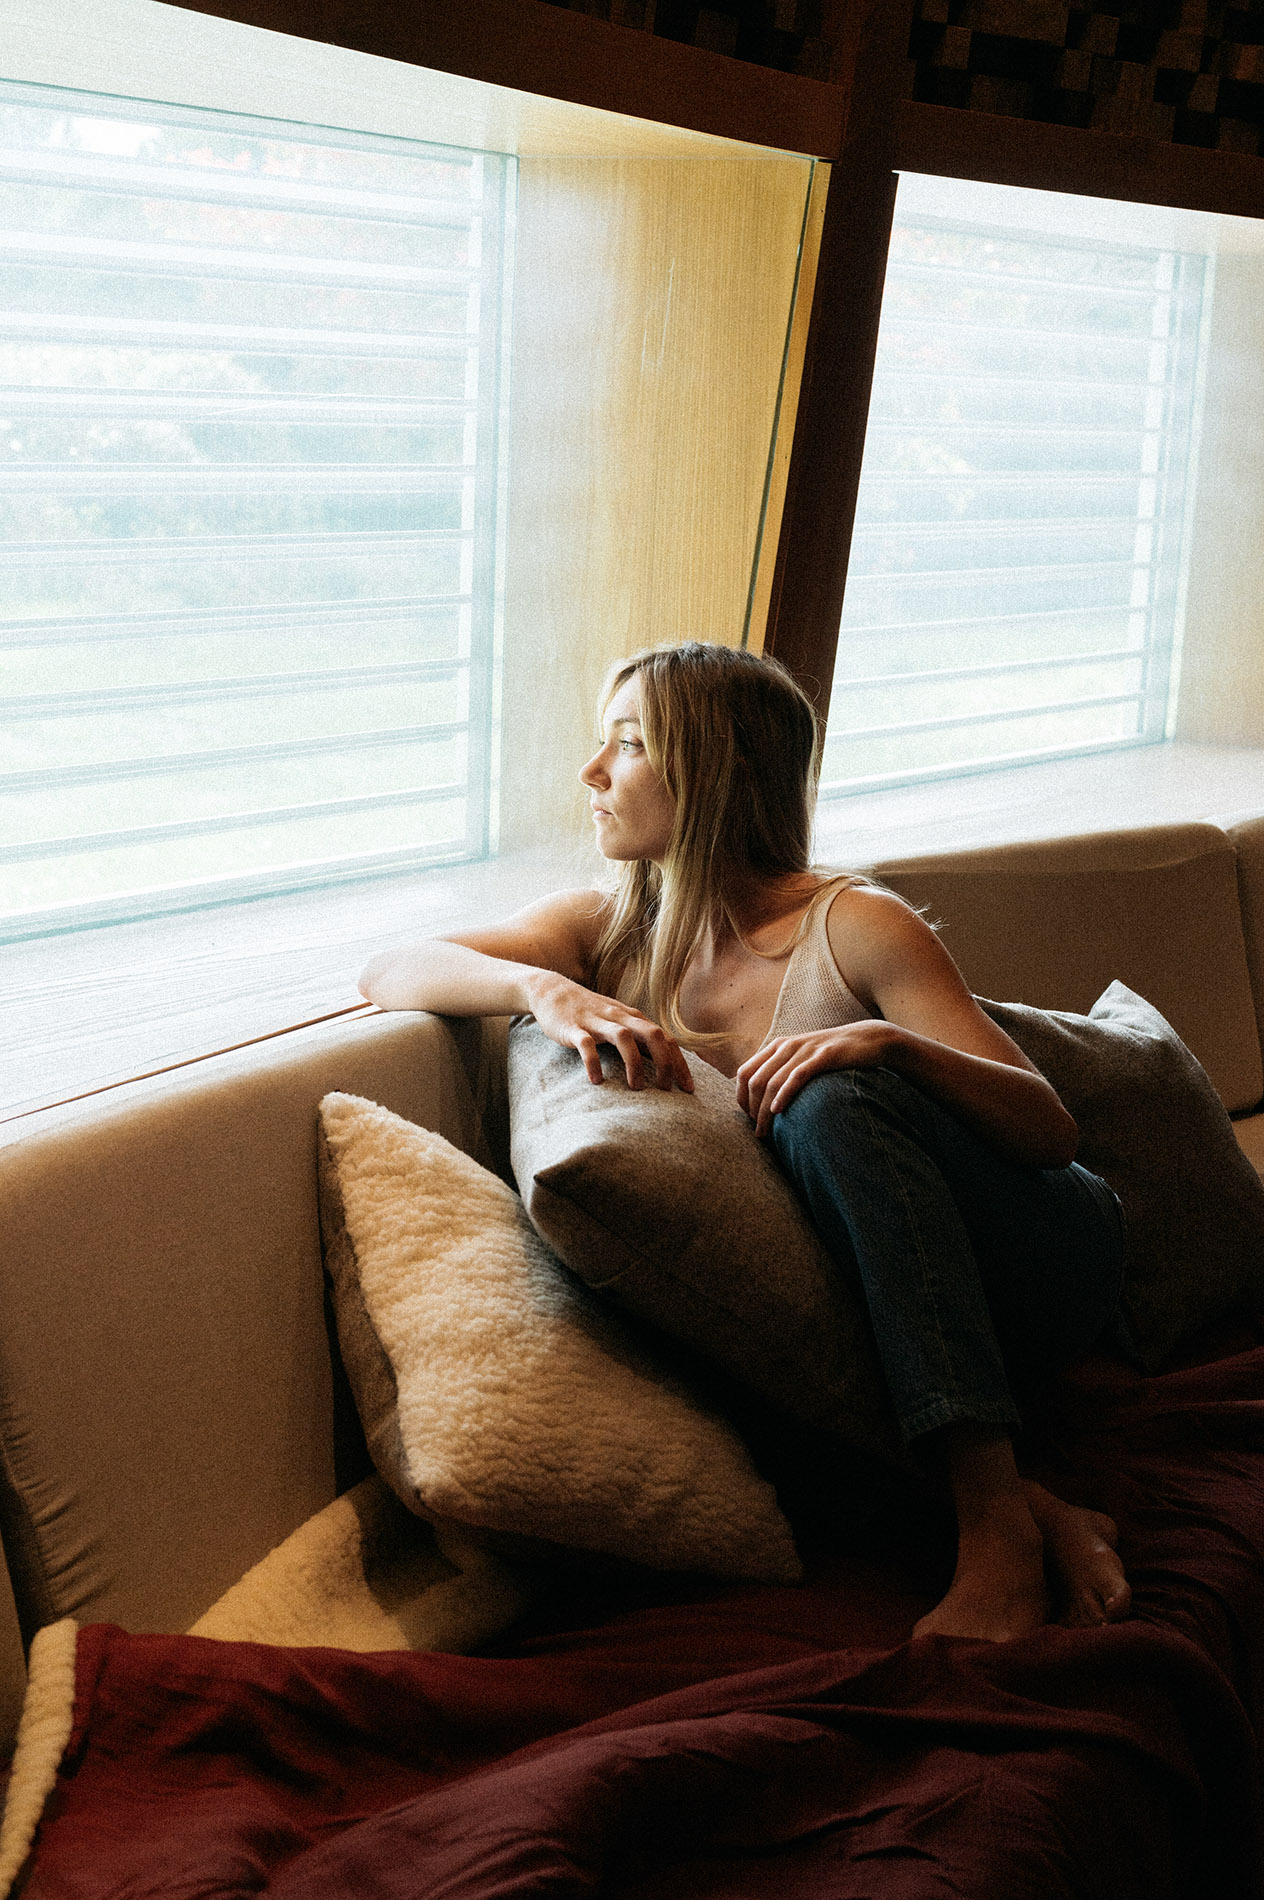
[[169, 1405]]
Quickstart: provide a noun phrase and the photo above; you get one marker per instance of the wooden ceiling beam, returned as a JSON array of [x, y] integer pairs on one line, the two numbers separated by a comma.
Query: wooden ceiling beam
[[533, 47]]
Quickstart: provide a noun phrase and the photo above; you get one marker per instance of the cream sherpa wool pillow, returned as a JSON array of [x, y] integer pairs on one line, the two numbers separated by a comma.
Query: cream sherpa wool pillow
[[493, 1388]]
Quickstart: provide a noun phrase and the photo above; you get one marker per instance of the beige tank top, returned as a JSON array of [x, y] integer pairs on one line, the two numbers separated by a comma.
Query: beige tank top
[[813, 994]]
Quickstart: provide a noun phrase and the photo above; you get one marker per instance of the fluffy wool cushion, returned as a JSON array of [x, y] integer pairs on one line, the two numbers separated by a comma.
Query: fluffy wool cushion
[[496, 1392], [367, 1574], [669, 1205], [1152, 1125]]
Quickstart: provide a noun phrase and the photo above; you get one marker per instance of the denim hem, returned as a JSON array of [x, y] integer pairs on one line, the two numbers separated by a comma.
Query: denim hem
[[941, 1412]]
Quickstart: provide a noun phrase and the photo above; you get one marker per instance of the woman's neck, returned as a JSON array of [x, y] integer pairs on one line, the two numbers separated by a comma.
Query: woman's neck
[[761, 905]]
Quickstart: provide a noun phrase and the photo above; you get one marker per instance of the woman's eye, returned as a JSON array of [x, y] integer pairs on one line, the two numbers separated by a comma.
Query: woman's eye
[[629, 745]]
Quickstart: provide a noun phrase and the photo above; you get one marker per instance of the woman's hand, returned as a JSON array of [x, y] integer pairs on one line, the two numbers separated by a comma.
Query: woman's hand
[[533, 961], [580, 1019], [1011, 1106], [769, 1080]]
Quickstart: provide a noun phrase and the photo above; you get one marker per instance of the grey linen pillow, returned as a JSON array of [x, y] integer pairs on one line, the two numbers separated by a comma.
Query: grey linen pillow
[[495, 1392], [667, 1204], [1152, 1125]]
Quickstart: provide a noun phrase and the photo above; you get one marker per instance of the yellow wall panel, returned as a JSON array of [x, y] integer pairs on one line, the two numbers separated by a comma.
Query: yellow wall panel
[[652, 309], [1221, 693]]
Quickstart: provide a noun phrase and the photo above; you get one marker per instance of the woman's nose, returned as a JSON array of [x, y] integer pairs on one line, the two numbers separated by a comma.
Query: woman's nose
[[593, 774]]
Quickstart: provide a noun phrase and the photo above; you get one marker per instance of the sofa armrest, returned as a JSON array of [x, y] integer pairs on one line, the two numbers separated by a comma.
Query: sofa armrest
[[166, 1377]]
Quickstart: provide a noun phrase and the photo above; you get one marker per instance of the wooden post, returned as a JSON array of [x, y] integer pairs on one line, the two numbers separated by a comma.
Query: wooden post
[[829, 436]]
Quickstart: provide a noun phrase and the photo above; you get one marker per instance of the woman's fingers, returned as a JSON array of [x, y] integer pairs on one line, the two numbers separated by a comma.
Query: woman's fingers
[[633, 1037], [630, 1054], [755, 1073], [586, 1048], [786, 1077], [770, 1079], [582, 1020], [772, 1084], [642, 1038], [669, 1060], [786, 1083]]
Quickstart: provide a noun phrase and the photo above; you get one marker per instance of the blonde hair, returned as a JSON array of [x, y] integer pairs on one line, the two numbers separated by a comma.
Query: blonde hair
[[737, 743]]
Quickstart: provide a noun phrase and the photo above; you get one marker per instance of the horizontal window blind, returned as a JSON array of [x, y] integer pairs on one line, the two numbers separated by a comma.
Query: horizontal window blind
[[250, 391], [1014, 579]]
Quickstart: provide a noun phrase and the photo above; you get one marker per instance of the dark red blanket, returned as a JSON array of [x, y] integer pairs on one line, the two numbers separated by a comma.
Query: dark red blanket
[[694, 1742]]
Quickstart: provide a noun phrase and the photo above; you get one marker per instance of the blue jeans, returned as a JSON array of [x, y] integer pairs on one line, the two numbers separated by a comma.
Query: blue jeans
[[981, 1276]]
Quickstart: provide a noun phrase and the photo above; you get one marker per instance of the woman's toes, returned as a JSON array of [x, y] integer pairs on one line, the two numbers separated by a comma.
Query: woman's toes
[[1089, 1579], [1098, 1522], [1094, 1587]]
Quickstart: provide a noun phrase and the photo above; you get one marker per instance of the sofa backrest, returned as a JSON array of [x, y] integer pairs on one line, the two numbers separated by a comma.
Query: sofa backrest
[[1053, 923], [166, 1389]]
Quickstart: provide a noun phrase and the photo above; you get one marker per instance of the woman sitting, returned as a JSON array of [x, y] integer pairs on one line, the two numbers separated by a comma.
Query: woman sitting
[[935, 1160]]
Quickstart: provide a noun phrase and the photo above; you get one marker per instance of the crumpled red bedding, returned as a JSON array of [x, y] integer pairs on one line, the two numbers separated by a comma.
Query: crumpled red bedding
[[697, 1742]]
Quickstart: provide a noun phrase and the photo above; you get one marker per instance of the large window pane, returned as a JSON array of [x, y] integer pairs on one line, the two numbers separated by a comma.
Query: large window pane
[[250, 395], [1014, 584]]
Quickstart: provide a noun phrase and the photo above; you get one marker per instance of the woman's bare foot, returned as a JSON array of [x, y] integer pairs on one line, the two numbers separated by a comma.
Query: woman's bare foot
[[1010, 1532], [998, 1589], [1089, 1582]]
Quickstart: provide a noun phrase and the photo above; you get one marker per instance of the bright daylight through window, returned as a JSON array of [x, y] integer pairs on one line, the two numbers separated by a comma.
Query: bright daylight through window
[[1015, 585], [249, 477]]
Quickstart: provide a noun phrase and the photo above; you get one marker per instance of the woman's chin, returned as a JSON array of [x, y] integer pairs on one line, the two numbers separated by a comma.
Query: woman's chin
[[613, 852]]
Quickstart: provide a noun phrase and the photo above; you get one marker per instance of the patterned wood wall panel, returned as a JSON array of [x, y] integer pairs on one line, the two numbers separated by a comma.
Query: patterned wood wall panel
[[1191, 71], [786, 34]]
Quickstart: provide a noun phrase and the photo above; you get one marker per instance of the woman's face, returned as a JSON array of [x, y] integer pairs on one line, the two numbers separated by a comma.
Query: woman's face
[[632, 808]]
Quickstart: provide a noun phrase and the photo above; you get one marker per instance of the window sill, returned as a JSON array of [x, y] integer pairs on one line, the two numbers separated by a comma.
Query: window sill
[[82, 1013], [1172, 783]]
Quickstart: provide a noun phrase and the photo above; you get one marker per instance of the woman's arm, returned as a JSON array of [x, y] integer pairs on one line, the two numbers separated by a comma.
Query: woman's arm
[[929, 1029], [538, 962], [482, 972]]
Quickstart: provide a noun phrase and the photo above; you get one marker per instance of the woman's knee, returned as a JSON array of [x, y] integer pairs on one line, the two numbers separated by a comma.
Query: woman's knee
[[830, 1108]]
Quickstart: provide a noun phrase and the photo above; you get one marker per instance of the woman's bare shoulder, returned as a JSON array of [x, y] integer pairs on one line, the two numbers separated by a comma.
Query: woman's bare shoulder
[[858, 896], [854, 901], [871, 932]]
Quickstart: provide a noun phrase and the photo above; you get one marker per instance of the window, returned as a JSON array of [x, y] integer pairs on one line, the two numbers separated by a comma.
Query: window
[[379, 514], [250, 475], [1015, 586]]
